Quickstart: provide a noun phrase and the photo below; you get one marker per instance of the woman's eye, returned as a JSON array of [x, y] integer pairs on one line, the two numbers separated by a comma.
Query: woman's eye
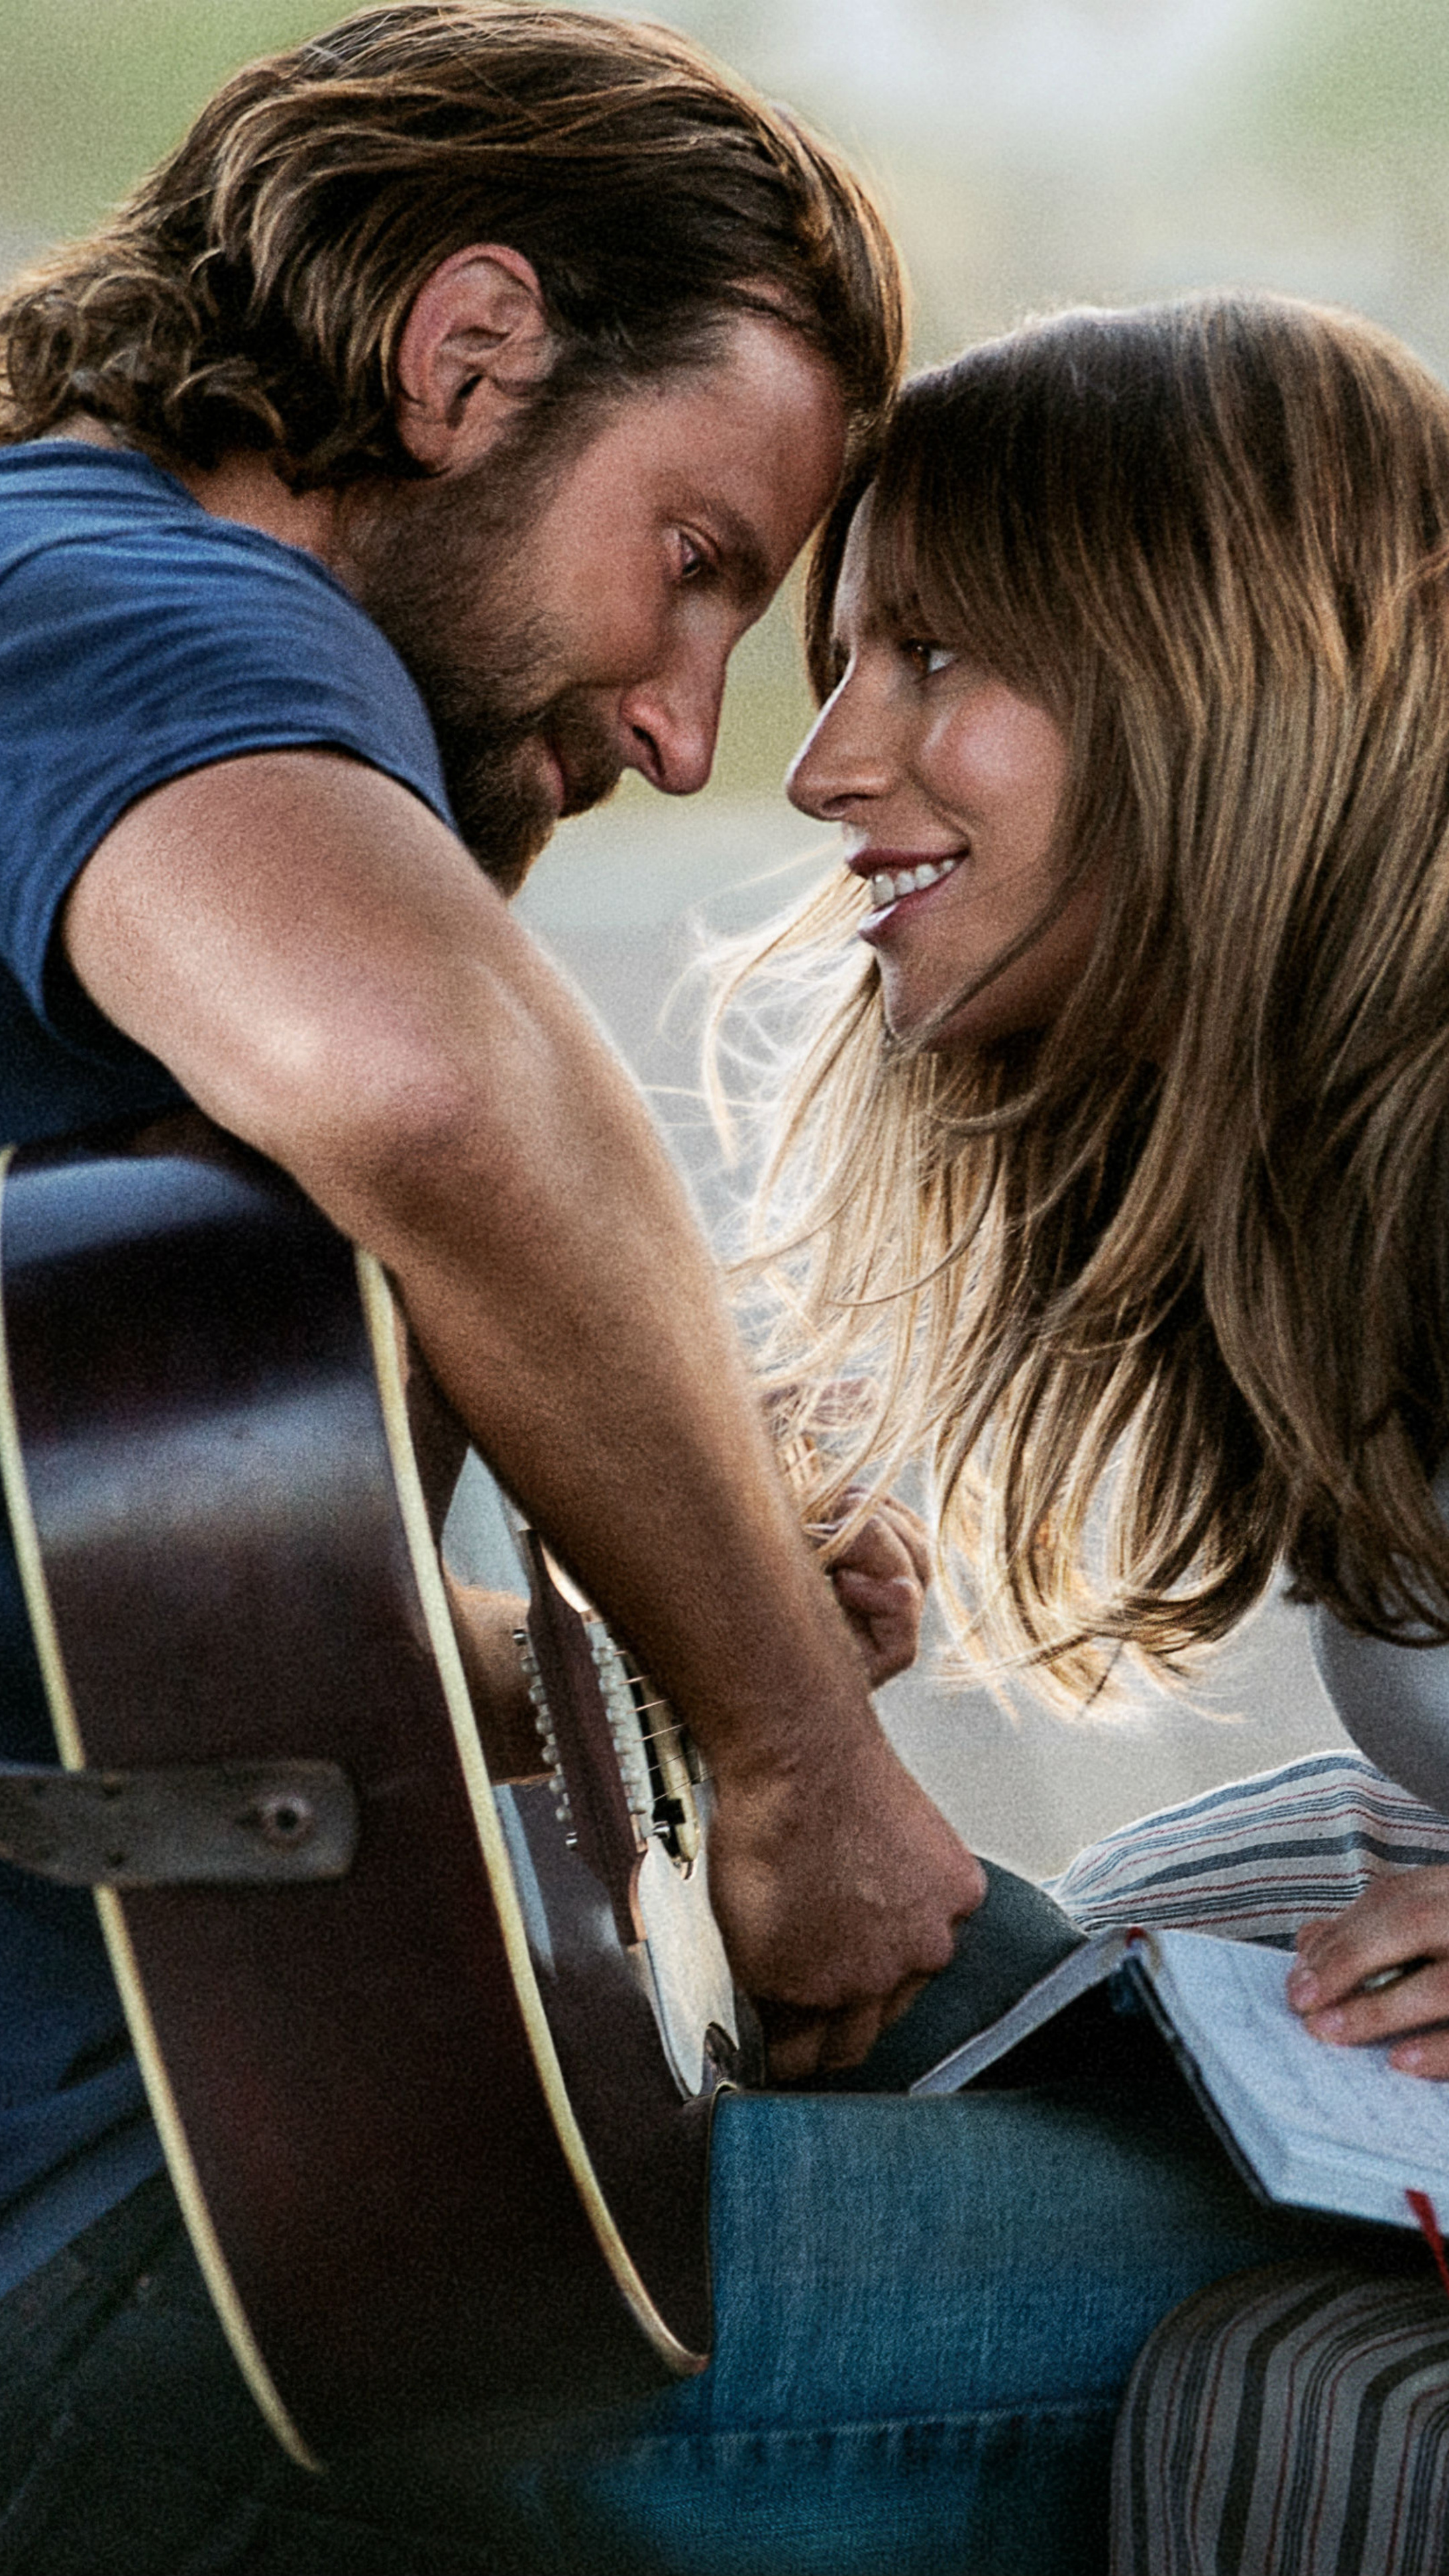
[[927, 659], [693, 559]]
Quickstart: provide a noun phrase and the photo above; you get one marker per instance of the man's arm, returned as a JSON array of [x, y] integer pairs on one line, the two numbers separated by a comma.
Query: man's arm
[[327, 973]]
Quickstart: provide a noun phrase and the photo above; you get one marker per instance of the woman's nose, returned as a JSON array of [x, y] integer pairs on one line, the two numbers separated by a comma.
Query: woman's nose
[[844, 760]]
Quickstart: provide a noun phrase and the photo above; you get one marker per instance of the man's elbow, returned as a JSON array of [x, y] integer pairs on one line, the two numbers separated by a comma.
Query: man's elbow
[[380, 1130]]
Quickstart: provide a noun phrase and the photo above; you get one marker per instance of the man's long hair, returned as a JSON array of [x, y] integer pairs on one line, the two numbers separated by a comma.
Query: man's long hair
[[1163, 1291], [252, 291]]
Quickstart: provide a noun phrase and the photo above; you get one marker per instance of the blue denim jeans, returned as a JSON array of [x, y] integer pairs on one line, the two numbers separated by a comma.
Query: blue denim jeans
[[926, 2311]]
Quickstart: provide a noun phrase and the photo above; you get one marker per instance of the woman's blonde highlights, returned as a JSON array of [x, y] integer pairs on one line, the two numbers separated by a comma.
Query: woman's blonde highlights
[[1159, 1291]]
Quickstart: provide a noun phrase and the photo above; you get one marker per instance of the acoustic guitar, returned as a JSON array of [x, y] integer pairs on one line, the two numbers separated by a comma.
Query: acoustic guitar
[[432, 2054]]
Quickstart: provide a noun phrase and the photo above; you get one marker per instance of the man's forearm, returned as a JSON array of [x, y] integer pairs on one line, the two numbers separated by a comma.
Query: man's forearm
[[571, 1317], [328, 974], [325, 972]]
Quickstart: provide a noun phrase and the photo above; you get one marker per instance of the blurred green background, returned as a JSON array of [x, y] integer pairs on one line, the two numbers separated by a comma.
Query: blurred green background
[[1031, 152]]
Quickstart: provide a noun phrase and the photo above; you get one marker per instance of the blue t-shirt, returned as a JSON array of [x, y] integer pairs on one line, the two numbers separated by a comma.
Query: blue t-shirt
[[139, 638]]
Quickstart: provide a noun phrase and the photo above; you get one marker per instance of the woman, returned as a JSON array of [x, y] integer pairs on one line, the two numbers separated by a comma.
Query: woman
[[1111, 1168], [927, 2310]]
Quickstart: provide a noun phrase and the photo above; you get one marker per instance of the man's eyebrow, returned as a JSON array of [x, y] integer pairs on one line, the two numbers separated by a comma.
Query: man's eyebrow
[[740, 544]]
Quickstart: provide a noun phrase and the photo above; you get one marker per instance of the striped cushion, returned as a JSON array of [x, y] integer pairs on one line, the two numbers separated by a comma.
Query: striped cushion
[[1292, 2421], [1255, 1859]]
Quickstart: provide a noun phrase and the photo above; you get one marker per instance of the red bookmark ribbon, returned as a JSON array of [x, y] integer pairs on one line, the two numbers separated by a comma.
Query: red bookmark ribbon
[[1423, 2209]]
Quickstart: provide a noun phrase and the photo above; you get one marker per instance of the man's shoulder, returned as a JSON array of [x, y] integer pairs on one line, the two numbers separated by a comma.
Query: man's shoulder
[[129, 610], [69, 485], [114, 514], [142, 637]]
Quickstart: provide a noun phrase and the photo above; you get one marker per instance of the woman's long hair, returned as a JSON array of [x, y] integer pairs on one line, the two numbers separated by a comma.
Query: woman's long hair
[[1160, 1293]]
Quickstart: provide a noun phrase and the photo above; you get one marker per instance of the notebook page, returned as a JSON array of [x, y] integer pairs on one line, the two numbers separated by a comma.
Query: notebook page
[[1227, 2000]]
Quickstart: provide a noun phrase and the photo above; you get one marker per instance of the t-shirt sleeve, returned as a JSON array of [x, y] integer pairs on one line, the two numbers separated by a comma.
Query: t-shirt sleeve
[[129, 660]]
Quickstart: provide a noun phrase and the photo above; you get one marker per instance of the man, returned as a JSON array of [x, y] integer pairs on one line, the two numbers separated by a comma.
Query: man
[[547, 345], [563, 525], [396, 468]]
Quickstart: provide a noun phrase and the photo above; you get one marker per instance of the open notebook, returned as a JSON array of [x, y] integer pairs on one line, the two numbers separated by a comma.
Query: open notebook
[[1319, 2127]]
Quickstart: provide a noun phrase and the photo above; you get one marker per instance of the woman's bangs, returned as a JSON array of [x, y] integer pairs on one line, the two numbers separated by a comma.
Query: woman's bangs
[[924, 577], [949, 560]]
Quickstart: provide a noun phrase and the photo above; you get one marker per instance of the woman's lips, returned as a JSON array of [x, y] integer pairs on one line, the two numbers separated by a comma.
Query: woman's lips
[[894, 879]]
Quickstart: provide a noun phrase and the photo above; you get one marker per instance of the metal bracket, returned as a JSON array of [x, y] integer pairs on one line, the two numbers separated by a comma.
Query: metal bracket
[[218, 1823]]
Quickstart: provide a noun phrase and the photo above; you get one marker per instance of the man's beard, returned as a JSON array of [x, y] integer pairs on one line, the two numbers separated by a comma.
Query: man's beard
[[442, 568]]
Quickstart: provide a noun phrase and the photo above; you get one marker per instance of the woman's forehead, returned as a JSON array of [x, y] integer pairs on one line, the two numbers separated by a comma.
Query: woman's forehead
[[875, 590]]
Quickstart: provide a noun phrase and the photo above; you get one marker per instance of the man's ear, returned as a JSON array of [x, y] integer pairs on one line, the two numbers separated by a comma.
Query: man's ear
[[476, 338]]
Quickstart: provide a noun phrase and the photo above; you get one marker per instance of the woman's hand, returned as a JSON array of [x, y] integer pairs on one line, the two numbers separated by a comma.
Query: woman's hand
[[1397, 1932], [880, 1582]]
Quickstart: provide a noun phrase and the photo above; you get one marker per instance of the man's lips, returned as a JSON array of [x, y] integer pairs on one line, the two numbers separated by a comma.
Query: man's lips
[[555, 784], [582, 795], [580, 769]]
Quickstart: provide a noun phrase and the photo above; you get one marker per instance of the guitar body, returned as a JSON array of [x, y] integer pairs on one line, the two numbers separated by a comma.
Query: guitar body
[[439, 2126]]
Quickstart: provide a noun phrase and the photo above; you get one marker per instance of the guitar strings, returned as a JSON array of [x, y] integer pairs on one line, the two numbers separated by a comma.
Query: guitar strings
[[669, 1734]]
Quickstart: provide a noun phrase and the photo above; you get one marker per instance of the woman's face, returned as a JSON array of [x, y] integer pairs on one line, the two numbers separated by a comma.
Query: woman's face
[[948, 787]]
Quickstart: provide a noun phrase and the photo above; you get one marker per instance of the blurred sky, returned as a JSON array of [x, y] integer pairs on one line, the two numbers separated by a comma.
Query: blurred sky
[[1032, 152]]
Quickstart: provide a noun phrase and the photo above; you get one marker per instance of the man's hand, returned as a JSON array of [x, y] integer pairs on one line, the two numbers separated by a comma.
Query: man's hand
[[838, 1898], [1398, 1932], [880, 1580]]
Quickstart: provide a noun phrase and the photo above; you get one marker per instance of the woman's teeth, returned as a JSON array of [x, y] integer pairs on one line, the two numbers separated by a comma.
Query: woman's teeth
[[887, 888]]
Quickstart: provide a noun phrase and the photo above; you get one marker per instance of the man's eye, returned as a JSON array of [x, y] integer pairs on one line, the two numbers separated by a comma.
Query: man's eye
[[694, 559]]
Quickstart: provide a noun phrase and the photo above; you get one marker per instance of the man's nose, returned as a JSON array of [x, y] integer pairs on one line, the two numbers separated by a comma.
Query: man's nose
[[671, 723]]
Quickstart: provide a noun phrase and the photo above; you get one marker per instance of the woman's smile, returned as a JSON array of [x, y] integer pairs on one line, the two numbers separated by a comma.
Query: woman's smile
[[894, 876], [949, 786]]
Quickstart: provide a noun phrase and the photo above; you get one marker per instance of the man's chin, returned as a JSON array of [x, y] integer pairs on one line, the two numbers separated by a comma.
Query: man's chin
[[508, 818], [504, 843]]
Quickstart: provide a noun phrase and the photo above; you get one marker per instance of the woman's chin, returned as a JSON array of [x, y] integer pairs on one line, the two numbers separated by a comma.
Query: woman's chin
[[914, 1020]]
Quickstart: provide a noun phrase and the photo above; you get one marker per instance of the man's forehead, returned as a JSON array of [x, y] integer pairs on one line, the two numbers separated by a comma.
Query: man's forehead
[[756, 434]]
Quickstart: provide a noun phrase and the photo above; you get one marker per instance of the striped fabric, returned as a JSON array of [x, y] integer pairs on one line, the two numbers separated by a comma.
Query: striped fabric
[[1289, 2422], [1255, 1859], [1293, 2421]]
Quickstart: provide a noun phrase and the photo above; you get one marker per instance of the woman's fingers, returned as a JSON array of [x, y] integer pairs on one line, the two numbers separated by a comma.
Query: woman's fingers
[[1415, 1999], [880, 1582], [1380, 1970], [1427, 2054], [886, 1619]]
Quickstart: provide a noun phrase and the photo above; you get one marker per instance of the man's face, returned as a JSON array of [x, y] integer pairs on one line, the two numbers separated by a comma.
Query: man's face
[[566, 625]]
